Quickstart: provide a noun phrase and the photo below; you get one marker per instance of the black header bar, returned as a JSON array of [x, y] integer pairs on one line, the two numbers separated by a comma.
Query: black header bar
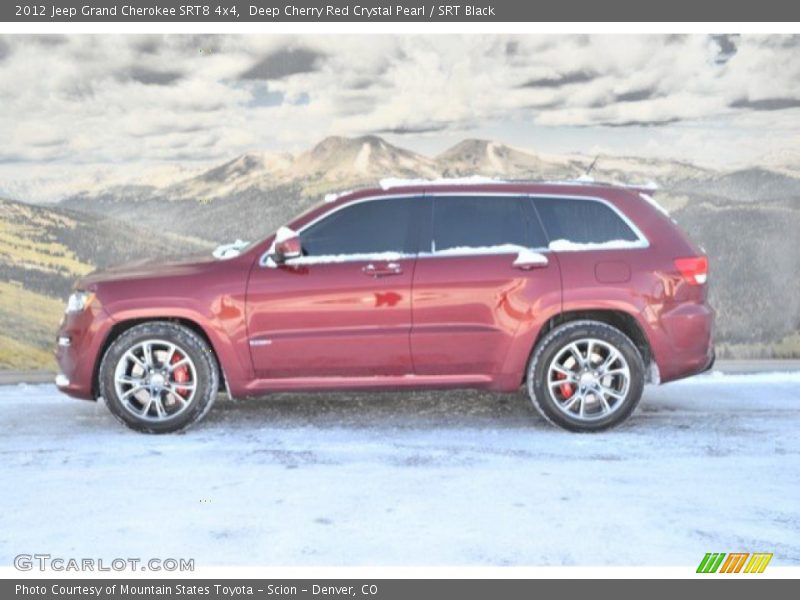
[[249, 11], [733, 588]]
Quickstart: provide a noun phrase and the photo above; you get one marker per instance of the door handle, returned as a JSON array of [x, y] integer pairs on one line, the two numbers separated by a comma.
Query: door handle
[[527, 260], [391, 268]]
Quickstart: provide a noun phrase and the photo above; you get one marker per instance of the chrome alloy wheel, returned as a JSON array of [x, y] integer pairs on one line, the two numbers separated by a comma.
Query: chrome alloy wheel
[[588, 379], [155, 380]]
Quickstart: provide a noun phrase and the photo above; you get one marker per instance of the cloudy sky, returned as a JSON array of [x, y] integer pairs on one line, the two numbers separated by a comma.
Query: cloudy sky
[[75, 106]]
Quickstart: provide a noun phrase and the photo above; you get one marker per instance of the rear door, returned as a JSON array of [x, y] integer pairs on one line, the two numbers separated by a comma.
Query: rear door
[[469, 297]]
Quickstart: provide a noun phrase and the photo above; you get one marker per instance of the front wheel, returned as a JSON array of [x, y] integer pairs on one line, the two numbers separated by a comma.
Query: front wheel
[[158, 377], [586, 376]]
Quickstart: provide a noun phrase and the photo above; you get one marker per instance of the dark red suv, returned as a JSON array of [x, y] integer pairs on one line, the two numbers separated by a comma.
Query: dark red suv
[[583, 293]]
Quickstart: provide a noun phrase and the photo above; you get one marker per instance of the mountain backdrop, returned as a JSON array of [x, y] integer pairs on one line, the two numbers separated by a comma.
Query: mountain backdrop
[[748, 221]]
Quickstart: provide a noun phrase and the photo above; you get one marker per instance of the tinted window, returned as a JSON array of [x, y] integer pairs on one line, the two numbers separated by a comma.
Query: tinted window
[[582, 221], [367, 227], [477, 221]]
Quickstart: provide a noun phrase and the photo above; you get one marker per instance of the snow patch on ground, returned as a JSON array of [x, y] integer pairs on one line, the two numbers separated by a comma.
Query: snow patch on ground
[[434, 478]]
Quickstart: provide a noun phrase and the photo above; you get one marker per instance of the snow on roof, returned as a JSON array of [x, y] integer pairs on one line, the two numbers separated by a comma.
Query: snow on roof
[[334, 196], [393, 182]]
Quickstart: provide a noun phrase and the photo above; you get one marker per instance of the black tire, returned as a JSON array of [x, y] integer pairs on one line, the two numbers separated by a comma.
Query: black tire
[[552, 345], [190, 344]]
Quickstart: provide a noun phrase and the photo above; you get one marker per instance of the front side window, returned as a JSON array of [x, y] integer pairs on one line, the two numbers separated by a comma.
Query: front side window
[[582, 221], [370, 227], [471, 222]]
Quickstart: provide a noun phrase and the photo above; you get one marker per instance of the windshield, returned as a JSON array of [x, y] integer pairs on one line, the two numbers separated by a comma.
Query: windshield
[[239, 247]]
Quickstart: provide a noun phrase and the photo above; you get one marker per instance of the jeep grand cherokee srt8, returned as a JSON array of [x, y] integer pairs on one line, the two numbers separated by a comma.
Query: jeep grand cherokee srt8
[[580, 293]]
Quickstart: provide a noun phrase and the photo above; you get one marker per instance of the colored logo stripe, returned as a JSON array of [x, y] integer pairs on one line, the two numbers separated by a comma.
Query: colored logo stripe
[[734, 562], [711, 562], [758, 562]]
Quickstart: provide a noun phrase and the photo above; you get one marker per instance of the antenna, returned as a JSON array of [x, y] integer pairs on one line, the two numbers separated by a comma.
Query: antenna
[[591, 166]]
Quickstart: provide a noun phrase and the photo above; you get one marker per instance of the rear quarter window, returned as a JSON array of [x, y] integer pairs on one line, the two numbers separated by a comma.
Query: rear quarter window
[[582, 221]]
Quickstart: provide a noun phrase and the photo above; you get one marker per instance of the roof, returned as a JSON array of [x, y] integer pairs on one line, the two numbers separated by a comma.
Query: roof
[[581, 187]]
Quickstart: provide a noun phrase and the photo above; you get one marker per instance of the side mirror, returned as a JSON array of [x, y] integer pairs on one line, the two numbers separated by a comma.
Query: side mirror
[[286, 245]]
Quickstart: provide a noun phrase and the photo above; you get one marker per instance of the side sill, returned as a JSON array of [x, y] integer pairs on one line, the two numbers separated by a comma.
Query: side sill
[[388, 382]]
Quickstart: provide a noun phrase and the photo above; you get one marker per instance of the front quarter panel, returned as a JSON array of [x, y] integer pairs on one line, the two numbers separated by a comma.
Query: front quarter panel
[[210, 295]]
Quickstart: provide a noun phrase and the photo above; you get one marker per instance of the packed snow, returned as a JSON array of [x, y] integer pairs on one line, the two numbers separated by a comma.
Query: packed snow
[[284, 233], [395, 182], [231, 250], [524, 255], [334, 196], [568, 246], [529, 257], [340, 258], [483, 250], [435, 478]]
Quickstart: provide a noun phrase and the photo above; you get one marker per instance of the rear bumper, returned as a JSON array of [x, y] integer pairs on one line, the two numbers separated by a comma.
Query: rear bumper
[[683, 344]]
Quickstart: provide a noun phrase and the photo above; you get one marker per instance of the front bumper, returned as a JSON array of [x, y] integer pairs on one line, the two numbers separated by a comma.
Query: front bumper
[[80, 342]]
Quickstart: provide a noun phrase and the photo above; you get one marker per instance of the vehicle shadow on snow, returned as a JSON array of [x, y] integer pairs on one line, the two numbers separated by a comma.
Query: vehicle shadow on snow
[[406, 409], [430, 409]]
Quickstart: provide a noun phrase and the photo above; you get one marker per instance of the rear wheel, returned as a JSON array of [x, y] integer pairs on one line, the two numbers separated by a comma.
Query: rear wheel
[[586, 376], [158, 377]]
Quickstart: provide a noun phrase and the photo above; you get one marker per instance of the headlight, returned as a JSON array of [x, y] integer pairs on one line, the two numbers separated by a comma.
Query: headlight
[[79, 301]]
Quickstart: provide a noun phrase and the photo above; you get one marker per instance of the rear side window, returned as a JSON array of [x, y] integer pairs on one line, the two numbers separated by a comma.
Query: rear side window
[[364, 228], [582, 221], [480, 221]]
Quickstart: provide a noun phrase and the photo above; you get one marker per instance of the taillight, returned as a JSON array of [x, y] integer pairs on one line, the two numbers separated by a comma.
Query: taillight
[[694, 269]]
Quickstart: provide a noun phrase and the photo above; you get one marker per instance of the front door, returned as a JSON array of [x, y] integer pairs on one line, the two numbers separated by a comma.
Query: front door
[[343, 309]]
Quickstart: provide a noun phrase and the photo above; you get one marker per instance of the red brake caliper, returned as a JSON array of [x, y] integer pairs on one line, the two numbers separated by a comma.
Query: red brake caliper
[[566, 388], [180, 374]]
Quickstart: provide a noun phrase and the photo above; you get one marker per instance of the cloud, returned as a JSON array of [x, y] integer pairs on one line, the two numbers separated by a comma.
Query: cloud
[[47, 40], [283, 63], [660, 123], [111, 99], [414, 129], [636, 95], [149, 76], [727, 47], [150, 44], [561, 80], [767, 103]]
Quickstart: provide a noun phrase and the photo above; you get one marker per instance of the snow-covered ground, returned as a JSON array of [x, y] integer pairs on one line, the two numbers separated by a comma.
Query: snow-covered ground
[[445, 478]]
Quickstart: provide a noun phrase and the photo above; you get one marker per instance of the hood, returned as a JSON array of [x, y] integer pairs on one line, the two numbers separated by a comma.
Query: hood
[[148, 269]]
